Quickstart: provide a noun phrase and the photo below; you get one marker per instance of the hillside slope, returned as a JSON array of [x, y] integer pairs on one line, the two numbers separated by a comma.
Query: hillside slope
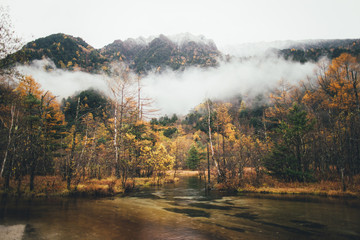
[[65, 51]]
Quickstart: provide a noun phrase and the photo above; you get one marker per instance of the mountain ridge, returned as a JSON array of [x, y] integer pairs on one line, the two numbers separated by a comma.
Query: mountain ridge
[[158, 53]]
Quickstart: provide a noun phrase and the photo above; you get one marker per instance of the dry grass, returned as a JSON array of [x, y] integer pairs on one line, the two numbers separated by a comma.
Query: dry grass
[[321, 188], [45, 186], [182, 173], [102, 187], [267, 184], [54, 186]]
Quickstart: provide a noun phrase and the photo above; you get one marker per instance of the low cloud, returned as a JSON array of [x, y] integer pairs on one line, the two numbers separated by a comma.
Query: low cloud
[[60, 82], [179, 92]]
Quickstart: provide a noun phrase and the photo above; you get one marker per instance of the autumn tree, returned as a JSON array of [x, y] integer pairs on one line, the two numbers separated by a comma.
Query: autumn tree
[[160, 161], [334, 100], [87, 115], [36, 123], [179, 148]]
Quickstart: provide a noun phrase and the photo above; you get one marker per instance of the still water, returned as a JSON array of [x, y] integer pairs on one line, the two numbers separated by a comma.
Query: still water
[[180, 211]]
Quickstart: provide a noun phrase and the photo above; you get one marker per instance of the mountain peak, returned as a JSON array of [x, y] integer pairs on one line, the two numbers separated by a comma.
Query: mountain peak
[[64, 50], [178, 39], [184, 38], [176, 52]]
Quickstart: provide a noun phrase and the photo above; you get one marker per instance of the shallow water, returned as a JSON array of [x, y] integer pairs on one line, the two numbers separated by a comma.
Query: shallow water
[[184, 211]]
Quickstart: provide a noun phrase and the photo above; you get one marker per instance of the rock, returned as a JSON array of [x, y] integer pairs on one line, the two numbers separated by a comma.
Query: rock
[[14, 232]]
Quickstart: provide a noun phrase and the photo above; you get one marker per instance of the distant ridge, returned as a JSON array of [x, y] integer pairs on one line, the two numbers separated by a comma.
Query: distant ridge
[[142, 55], [313, 50], [176, 52]]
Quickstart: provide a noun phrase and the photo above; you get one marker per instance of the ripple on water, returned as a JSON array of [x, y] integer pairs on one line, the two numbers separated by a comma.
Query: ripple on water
[[246, 215], [309, 224], [210, 206], [189, 212]]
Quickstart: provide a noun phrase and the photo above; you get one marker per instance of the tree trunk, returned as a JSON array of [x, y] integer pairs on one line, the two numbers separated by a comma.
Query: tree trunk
[[208, 165], [117, 168], [343, 180], [9, 139], [7, 181], [210, 140]]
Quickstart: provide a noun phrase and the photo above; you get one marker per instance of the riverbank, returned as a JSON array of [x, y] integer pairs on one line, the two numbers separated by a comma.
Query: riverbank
[[181, 211], [326, 189], [269, 185], [54, 186]]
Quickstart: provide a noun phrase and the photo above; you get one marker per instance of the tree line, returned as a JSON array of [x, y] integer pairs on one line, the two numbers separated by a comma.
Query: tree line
[[305, 132], [87, 135]]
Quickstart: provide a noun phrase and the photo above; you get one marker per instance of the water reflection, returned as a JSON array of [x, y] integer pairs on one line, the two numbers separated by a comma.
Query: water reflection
[[181, 211]]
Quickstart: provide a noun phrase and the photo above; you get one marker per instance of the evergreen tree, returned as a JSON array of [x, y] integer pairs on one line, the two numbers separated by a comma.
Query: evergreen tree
[[193, 159], [288, 158]]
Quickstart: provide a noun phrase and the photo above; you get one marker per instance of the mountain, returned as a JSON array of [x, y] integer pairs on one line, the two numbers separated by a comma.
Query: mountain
[[158, 53], [140, 54], [65, 51], [313, 50]]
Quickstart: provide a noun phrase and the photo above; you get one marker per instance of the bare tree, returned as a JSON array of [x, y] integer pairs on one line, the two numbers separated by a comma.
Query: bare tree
[[124, 102], [9, 42], [210, 139]]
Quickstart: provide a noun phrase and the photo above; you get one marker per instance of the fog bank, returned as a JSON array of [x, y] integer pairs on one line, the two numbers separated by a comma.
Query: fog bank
[[62, 83], [179, 92]]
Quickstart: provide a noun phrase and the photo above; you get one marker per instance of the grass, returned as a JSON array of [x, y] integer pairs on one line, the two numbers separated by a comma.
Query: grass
[[46, 186], [267, 184], [322, 188], [183, 173]]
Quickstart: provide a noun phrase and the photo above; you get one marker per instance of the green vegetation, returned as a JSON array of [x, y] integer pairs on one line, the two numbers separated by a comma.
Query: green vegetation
[[304, 133], [93, 102], [193, 159], [287, 159]]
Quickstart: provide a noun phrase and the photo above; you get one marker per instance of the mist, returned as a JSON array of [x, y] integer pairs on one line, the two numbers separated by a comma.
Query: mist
[[62, 83], [179, 92]]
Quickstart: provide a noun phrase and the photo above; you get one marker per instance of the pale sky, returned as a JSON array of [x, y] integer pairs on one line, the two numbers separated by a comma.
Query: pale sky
[[226, 22]]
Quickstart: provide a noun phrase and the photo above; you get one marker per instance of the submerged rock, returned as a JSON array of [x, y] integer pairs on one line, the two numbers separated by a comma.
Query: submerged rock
[[14, 232]]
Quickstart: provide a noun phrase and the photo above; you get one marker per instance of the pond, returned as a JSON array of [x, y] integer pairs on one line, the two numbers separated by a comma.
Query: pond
[[181, 211]]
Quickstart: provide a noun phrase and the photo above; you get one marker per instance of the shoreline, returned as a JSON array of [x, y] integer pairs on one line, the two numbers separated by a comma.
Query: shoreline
[[301, 192], [53, 186]]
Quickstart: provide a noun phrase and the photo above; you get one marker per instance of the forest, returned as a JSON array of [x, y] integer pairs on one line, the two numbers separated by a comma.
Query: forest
[[303, 133], [188, 120]]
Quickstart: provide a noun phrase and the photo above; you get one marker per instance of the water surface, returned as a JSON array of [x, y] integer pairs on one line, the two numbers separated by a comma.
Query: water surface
[[183, 211]]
